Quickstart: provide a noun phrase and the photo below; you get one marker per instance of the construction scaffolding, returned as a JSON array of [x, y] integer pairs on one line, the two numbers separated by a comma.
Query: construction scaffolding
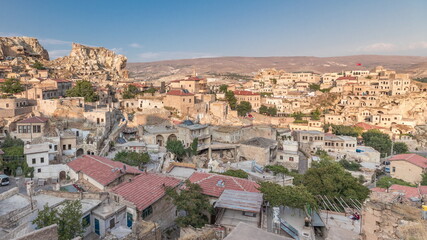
[[339, 204]]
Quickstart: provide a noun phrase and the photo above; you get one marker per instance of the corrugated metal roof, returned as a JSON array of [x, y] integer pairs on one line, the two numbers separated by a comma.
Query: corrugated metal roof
[[240, 200]]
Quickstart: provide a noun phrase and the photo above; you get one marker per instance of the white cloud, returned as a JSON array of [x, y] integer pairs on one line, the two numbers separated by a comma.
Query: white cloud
[[157, 56], [53, 54], [50, 41], [135, 45], [417, 45], [379, 47]]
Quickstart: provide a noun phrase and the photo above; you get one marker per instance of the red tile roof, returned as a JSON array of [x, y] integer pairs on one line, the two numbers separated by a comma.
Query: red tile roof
[[208, 182], [408, 191], [378, 189], [34, 120], [415, 159], [367, 127], [101, 168], [347, 78], [244, 93], [178, 92], [422, 190], [145, 189]]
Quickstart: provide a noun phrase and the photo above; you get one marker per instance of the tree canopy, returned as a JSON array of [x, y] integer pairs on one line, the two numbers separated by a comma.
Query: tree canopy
[[330, 179], [223, 88], [350, 165], [400, 147], [315, 115], [291, 196], [11, 86], [130, 92], [176, 147], [270, 111], [244, 108], [386, 182], [68, 219], [231, 99], [38, 65], [83, 88], [378, 140], [132, 158], [236, 173], [344, 130], [424, 179], [193, 202]]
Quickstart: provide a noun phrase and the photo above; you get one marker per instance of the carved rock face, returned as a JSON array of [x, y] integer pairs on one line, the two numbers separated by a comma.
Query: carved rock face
[[22, 47], [97, 62]]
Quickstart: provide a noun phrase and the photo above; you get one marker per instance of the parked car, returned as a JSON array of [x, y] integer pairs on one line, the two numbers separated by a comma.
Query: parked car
[[387, 169], [4, 180]]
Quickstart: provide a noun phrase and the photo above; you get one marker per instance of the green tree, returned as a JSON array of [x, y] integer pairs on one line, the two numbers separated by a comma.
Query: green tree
[[298, 117], [273, 81], [192, 150], [223, 88], [272, 111], [11, 86], [344, 130], [378, 140], [231, 99], [150, 90], [277, 169], [130, 92], [46, 217], [349, 165], [176, 147], [315, 115], [68, 219], [291, 196], [236, 173], [386, 182], [400, 147], [314, 87], [193, 202], [10, 142], [263, 109], [132, 158], [38, 65], [244, 108], [83, 88], [330, 179], [424, 179]]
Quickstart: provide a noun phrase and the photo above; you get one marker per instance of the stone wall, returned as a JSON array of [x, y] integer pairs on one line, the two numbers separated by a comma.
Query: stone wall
[[46, 233]]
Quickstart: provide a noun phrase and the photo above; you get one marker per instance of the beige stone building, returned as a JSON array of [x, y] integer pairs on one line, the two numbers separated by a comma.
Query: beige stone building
[[30, 128], [181, 100], [253, 98], [408, 167]]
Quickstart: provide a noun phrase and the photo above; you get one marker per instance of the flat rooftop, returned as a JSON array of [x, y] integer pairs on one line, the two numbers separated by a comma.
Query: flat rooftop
[[51, 201], [13, 203]]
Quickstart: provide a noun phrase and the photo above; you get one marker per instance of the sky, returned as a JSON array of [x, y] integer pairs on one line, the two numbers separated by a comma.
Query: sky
[[146, 31]]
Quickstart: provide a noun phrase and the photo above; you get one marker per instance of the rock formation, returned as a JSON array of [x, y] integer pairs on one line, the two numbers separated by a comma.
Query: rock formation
[[25, 47], [91, 63]]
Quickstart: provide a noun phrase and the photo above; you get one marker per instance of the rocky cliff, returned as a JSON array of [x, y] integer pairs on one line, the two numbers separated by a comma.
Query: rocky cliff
[[25, 47], [91, 63]]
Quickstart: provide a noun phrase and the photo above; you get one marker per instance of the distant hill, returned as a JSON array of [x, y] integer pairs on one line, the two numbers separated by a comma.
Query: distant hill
[[247, 65]]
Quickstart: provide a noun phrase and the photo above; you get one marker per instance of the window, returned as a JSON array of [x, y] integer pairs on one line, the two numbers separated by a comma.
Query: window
[[86, 221], [69, 146], [34, 161], [39, 170], [112, 223], [291, 159], [147, 212], [394, 169], [281, 157], [64, 147], [50, 146], [249, 214], [55, 147], [41, 160]]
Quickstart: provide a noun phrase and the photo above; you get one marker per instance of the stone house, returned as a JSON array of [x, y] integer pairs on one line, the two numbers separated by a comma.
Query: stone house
[[310, 141], [227, 134], [146, 199], [187, 131], [31, 128], [408, 167], [288, 155], [253, 98], [100, 172], [191, 84], [159, 134], [181, 100], [262, 150], [339, 144], [12, 107]]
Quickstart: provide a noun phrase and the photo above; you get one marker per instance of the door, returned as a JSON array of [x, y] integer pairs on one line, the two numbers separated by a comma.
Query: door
[[129, 218], [97, 226]]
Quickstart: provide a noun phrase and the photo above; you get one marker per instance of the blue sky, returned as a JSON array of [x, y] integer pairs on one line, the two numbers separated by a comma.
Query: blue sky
[[159, 29]]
